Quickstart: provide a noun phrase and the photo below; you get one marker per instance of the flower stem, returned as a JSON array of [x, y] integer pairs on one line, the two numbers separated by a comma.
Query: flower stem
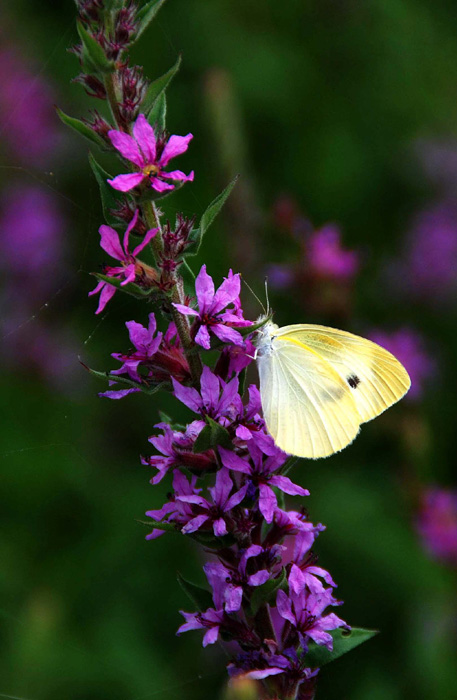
[[110, 88]]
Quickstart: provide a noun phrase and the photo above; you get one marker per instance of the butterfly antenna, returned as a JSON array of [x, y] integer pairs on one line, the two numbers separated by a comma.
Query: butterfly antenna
[[255, 295], [266, 297]]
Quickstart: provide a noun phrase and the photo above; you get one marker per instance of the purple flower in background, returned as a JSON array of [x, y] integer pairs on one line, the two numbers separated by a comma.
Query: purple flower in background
[[327, 257], [427, 267], [437, 524], [211, 316], [409, 347], [150, 156], [129, 270], [30, 133]]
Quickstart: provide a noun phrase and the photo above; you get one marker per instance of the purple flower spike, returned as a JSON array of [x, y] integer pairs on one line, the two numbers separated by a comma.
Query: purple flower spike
[[211, 316], [129, 267], [216, 399], [149, 156]]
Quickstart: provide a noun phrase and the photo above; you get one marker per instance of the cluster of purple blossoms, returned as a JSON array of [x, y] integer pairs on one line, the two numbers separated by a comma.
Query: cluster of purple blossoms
[[267, 596], [436, 524], [325, 268], [409, 346]]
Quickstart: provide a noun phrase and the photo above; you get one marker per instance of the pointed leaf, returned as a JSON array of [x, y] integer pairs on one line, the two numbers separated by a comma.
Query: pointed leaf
[[212, 435], [81, 127], [161, 525], [343, 641], [158, 114], [146, 14], [93, 56], [208, 539], [125, 380], [109, 199], [203, 441], [158, 87], [130, 288], [196, 235], [266, 593], [200, 597]]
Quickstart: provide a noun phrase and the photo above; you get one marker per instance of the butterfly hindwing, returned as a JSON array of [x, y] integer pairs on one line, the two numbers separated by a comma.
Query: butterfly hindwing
[[308, 408], [376, 378]]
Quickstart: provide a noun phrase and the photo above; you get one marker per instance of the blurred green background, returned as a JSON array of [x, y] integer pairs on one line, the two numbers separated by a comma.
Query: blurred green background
[[323, 102]]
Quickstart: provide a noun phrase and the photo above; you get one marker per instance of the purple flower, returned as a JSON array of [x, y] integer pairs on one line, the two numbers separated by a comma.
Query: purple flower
[[437, 524], [176, 450], [258, 665], [174, 511], [211, 621], [129, 270], [426, 269], [326, 256], [211, 303], [150, 156], [216, 512], [216, 399], [146, 344], [305, 610], [30, 133], [409, 347], [261, 473]]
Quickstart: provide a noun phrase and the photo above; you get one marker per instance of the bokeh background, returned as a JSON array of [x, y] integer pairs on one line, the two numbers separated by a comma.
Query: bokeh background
[[341, 117]]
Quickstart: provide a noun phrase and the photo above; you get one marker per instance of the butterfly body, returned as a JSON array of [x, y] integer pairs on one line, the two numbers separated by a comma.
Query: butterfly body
[[319, 384]]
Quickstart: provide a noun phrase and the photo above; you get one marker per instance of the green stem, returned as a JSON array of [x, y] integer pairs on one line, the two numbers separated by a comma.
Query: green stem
[[111, 95]]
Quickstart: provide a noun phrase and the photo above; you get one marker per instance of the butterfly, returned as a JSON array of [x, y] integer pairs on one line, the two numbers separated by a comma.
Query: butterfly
[[319, 384]]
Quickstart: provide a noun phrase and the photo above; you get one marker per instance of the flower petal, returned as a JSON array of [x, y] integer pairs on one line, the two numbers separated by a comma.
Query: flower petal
[[186, 310], [160, 186], [284, 606], [267, 502], [219, 527], [187, 395], [211, 636], [148, 237], [234, 461], [227, 334], [127, 147], [286, 485], [175, 146], [178, 175], [146, 138], [204, 289], [210, 389], [108, 291], [127, 182], [202, 337], [110, 242], [194, 524]]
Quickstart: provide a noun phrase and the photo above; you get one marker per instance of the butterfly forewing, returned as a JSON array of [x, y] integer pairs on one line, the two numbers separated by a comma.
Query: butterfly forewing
[[375, 377], [308, 408]]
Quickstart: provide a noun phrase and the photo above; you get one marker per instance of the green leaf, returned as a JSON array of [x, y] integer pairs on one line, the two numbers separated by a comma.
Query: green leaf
[[124, 380], [158, 87], [212, 435], [130, 288], [199, 596], [161, 525], [81, 127], [196, 235], [158, 114], [343, 641], [266, 593], [207, 539], [188, 276], [93, 57], [146, 14], [107, 193]]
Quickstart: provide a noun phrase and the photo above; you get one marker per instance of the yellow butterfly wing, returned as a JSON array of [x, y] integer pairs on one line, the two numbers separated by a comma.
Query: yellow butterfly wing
[[308, 409], [376, 378]]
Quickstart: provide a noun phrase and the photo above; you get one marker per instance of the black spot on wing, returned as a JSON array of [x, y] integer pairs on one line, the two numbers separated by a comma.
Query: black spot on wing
[[353, 381]]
